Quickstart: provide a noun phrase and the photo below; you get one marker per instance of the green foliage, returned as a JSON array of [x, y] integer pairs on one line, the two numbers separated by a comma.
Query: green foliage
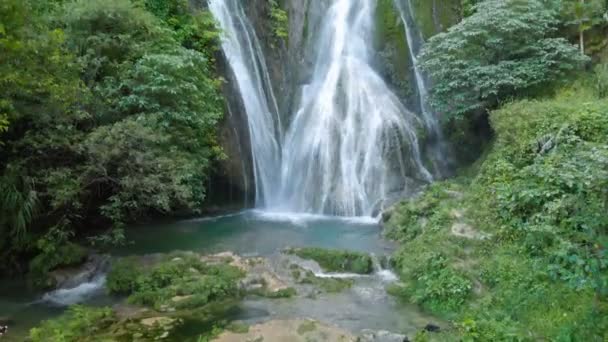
[[540, 199], [122, 278], [337, 260], [54, 252], [186, 277], [505, 49], [279, 21], [108, 36], [113, 107], [433, 283], [77, 324], [409, 219], [194, 29], [601, 80], [583, 15], [18, 206]]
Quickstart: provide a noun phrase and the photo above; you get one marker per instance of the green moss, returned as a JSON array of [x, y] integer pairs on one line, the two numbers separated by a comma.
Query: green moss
[[307, 327], [238, 327], [392, 44], [434, 16], [337, 260]]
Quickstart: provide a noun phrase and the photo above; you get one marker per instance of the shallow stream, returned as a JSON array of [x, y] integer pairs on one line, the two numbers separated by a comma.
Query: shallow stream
[[250, 233]]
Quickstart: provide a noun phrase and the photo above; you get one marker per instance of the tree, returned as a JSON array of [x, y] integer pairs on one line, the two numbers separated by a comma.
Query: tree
[[583, 14], [108, 112], [505, 49]]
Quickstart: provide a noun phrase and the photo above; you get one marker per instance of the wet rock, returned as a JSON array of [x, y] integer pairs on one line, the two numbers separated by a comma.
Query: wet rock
[[381, 336], [259, 273], [178, 299], [299, 330], [126, 311], [70, 277], [432, 328]]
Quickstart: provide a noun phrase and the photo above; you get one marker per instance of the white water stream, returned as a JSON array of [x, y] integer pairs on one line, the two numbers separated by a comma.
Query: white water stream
[[351, 143]]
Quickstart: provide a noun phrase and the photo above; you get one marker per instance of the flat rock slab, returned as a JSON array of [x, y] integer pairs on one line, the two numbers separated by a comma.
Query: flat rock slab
[[301, 330]]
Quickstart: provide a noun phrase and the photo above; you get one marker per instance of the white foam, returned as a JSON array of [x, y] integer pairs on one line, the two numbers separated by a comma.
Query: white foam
[[75, 295], [214, 218], [303, 218], [387, 276], [338, 275]]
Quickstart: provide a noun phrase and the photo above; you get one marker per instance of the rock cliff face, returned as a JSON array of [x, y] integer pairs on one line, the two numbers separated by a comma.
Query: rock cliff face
[[290, 64]]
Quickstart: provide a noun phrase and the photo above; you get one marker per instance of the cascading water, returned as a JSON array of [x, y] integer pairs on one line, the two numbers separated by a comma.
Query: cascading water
[[436, 144], [350, 143], [244, 54]]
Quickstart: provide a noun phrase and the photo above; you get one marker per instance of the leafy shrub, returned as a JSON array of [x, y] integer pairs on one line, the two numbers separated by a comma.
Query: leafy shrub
[[279, 20], [122, 278], [54, 254], [437, 285], [410, 218]]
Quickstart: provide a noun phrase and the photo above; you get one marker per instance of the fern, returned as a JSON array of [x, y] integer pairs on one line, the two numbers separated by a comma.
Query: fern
[[18, 205]]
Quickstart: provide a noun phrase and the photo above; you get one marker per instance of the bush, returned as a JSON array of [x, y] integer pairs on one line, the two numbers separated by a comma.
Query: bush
[[122, 278], [503, 50], [54, 256], [436, 285]]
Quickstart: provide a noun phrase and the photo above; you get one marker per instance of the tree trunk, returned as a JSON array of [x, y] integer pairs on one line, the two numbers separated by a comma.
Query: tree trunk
[[581, 32], [581, 38]]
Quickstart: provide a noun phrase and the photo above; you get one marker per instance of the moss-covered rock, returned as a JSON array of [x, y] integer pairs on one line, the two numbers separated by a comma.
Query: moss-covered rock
[[391, 43], [332, 260], [434, 16], [66, 255], [176, 281]]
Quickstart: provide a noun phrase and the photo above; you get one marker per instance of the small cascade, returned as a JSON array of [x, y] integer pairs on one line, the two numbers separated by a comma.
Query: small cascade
[[437, 148], [77, 294], [385, 274]]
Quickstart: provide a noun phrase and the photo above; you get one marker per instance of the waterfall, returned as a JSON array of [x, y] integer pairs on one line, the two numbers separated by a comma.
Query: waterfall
[[436, 144], [246, 59], [351, 143]]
